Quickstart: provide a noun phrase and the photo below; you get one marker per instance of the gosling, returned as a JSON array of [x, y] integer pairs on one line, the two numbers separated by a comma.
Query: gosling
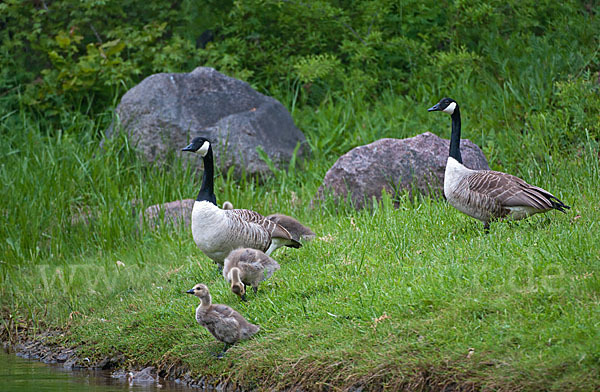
[[246, 266], [296, 229], [224, 323]]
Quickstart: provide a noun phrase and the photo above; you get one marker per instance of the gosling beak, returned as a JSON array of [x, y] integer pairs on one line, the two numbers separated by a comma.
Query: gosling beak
[[190, 291], [434, 108]]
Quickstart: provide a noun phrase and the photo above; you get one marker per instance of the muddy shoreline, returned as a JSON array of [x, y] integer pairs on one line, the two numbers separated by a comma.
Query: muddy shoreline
[[41, 348]]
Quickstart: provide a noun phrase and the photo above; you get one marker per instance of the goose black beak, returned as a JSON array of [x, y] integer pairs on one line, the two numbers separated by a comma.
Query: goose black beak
[[434, 108], [190, 291], [190, 147]]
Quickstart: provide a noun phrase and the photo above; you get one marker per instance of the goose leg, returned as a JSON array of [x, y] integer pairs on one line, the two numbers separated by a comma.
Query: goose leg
[[486, 227], [255, 288], [225, 348]]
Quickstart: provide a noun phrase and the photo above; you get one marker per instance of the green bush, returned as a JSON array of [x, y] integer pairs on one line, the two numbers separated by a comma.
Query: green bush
[[521, 56]]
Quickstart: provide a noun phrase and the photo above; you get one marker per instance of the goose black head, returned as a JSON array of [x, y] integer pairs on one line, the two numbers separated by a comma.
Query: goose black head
[[199, 144], [447, 105]]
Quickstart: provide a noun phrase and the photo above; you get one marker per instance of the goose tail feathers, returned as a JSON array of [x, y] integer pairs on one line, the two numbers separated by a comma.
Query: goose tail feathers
[[558, 205]]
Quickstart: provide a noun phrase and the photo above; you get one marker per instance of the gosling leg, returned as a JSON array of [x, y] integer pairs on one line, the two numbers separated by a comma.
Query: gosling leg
[[225, 348]]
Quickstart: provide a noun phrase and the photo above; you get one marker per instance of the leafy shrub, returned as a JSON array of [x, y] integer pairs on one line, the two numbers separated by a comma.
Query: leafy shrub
[[59, 56]]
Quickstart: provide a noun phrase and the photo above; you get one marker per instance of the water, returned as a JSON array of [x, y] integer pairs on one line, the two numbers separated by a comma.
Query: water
[[22, 375]]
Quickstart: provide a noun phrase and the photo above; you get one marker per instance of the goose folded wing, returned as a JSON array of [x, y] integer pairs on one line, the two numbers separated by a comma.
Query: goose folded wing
[[259, 223], [508, 190]]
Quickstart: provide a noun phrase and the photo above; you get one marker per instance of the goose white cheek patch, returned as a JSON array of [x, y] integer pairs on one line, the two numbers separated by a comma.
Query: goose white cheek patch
[[204, 149], [450, 108]]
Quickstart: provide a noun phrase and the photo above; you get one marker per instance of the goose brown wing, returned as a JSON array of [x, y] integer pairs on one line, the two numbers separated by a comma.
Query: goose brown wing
[[509, 191], [259, 223]]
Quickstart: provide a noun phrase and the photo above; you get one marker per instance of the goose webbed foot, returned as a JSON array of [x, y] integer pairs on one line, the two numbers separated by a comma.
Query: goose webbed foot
[[222, 353], [486, 227]]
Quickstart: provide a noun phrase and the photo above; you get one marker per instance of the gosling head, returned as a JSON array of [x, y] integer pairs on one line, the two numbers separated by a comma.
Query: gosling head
[[447, 105], [199, 145], [239, 289], [200, 290]]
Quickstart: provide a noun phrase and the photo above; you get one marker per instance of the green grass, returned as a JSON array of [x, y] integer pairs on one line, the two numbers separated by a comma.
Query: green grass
[[393, 298]]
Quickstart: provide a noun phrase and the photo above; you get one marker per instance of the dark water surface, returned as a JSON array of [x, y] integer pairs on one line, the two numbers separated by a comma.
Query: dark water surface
[[21, 375]]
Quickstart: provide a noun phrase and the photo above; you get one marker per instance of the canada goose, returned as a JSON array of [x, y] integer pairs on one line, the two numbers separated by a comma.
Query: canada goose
[[217, 232], [247, 266], [296, 229], [485, 194], [224, 323]]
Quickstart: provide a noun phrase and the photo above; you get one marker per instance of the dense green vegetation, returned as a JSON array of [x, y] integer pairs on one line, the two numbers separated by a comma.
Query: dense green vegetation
[[413, 297]]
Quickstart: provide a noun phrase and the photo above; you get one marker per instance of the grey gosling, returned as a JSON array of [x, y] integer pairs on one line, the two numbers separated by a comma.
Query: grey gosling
[[217, 232], [224, 323], [488, 195], [247, 267], [295, 228]]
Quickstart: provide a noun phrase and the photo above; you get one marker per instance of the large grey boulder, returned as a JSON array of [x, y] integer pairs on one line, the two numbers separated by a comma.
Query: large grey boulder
[[174, 212], [166, 110], [414, 164]]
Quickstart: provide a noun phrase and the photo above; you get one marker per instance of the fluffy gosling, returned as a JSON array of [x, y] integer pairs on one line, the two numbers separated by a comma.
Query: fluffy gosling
[[224, 323], [246, 266], [296, 229]]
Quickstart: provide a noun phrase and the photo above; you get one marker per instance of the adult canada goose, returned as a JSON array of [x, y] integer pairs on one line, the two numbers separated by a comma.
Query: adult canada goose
[[485, 194], [217, 232], [224, 323], [247, 266], [296, 229]]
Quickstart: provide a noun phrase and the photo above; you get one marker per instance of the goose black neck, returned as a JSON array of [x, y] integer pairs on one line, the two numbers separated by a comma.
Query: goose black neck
[[455, 137], [207, 190]]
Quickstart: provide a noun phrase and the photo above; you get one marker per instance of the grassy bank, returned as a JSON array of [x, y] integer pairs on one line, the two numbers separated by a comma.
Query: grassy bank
[[414, 297]]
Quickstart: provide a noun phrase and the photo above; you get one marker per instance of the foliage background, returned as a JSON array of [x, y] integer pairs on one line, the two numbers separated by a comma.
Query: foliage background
[[512, 59]]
